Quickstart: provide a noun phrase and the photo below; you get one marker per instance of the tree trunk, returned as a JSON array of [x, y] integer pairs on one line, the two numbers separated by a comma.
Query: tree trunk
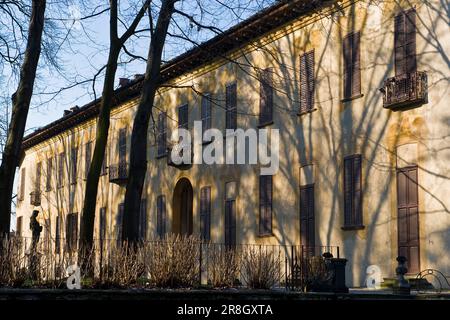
[[20, 107], [103, 122], [138, 153]]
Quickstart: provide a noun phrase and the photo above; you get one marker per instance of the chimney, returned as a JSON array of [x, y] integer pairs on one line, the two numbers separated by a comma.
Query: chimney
[[124, 82], [75, 108], [67, 112]]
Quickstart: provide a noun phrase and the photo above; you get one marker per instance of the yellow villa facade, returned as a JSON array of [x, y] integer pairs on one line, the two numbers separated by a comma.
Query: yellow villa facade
[[359, 92]]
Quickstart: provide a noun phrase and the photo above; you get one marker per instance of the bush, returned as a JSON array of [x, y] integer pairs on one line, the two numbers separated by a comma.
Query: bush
[[223, 266], [261, 267]]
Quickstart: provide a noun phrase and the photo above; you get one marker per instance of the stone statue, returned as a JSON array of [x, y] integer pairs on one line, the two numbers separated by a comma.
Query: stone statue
[[35, 228]]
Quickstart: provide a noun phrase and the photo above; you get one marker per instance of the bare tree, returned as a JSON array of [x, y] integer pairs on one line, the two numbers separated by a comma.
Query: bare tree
[[103, 122], [20, 107]]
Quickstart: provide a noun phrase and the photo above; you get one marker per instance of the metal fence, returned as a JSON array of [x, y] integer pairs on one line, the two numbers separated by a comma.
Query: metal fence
[[170, 262]]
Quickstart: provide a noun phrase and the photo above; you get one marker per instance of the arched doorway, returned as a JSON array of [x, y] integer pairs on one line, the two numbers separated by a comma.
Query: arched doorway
[[182, 222]]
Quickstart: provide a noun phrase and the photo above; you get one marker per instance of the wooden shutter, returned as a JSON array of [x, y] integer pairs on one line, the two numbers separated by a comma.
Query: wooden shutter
[[206, 111], [161, 216], [119, 223], [352, 191], [58, 234], [73, 165], [205, 212], [405, 42], [162, 133], [231, 106], [19, 226], [307, 219], [22, 184], [183, 117], [230, 223], [37, 185], [62, 161], [307, 81], [352, 68], [87, 158], [102, 227], [266, 96], [74, 231], [265, 205], [122, 146], [143, 219], [48, 183]]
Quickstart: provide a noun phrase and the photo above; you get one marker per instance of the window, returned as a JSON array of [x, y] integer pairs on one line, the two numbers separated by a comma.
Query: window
[[22, 184], [162, 134], [265, 205], [161, 216], [230, 222], [405, 42], [266, 96], [87, 158], [205, 213], [48, 183], [72, 231], [183, 117], [73, 165], [37, 182], [143, 220], [206, 112], [102, 227], [19, 226], [62, 160], [119, 224], [231, 106], [307, 82], [58, 234], [352, 192], [352, 70], [307, 223]]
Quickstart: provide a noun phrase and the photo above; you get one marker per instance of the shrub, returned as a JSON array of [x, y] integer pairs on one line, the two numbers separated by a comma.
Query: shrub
[[261, 267], [223, 266]]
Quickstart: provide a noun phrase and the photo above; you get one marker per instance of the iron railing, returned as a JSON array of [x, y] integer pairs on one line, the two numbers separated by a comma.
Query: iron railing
[[118, 173], [405, 90]]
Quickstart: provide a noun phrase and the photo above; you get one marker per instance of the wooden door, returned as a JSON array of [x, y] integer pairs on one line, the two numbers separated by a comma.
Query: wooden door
[[408, 217]]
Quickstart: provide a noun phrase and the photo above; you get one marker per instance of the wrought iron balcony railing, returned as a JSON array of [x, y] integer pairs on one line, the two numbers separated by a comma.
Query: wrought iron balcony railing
[[118, 173], [407, 90], [35, 198]]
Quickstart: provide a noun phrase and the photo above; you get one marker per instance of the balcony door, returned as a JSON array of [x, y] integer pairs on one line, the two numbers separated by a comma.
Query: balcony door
[[408, 217]]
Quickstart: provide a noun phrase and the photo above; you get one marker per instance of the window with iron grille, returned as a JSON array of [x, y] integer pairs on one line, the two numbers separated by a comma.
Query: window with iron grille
[[265, 205], [183, 116], [58, 234], [87, 158], [405, 42], [352, 69], [71, 231], [205, 213], [73, 165], [162, 134], [61, 164], [206, 112], [266, 96], [307, 82], [119, 223], [231, 106], [48, 182], [352, 192], [22, 184], [161, 216], [143, 220], [102, 227]]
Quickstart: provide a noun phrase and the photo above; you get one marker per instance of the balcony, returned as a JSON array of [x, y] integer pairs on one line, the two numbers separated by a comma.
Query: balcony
[[405, 91], [118, 173], [35, 198], [182, 165]]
